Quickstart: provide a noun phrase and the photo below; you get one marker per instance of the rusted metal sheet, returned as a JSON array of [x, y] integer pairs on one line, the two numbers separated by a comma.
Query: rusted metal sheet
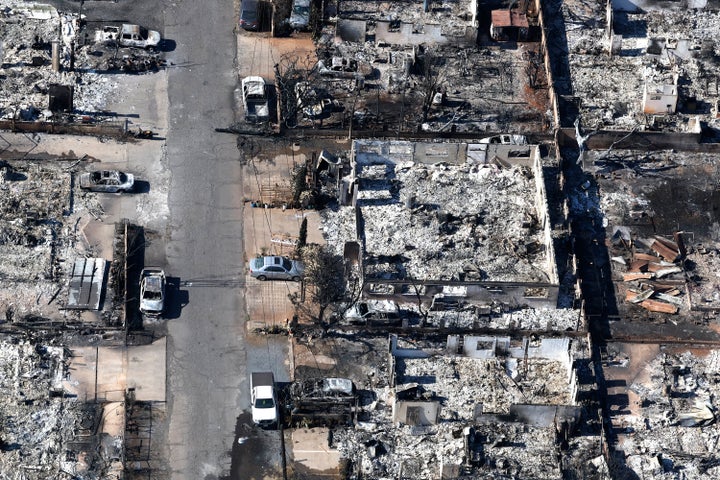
[[509, 18], [638, 266], [630, 276], [637, 297], [658, 306], [668, 243], [664, 251], [645, 256]]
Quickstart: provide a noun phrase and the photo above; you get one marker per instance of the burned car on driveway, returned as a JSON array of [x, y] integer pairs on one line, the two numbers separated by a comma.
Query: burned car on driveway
[[109, 181], [129, 35], [152, 291], [255, 99]]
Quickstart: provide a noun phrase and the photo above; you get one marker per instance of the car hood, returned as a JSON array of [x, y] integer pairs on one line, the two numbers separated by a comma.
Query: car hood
[[130, 179], [297, 20], [84, 180], [153, 37], [261, 414], [151, 305]]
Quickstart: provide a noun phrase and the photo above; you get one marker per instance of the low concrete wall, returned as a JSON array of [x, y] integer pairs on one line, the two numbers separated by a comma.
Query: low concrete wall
[[111, 129]]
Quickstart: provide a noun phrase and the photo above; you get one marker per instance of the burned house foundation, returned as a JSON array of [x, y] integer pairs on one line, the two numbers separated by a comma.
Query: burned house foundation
[[449, 414], [449, 228]]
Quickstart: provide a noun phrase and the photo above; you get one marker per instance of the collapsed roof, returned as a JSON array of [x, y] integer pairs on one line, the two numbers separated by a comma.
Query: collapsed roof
[[662, 229]]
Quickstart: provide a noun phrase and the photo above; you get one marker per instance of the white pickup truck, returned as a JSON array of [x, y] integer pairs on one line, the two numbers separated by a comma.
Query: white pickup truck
[[255, 99], [129, 35], [262, 399]]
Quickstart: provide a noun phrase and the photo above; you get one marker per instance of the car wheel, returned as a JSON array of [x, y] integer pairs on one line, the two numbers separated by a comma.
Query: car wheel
[[296, 279], [262, 278]]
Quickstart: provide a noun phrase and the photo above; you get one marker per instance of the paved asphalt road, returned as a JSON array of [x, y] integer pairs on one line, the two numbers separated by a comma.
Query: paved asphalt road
[[209, 435], [206, 353]]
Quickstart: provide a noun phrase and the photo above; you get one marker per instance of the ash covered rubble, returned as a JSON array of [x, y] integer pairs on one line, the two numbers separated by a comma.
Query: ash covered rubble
[[400, 68], [501, 317], [27, 74], [453, 18], [41, 223], [456, 234], [636, 70], [430, 214], [42, 431], [663, 261], [48, 427], [671, 430], [474, 412], [431, 87]]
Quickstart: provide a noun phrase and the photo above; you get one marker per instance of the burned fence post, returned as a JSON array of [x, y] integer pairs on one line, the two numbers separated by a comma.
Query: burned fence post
[[56, 55]]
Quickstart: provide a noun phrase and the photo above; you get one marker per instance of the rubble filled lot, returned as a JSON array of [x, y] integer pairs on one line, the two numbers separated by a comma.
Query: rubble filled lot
[[509, 450], [41, 221], [26, 72], [495, 316], [467, 440], [467, 382], [454, 17], [438, 220], [650, 48], [660, 210], [433, 88], [43, 432], [668, 429]]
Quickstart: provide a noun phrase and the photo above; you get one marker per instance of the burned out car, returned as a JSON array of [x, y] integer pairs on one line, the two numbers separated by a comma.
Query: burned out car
[[300, 15], [373, 312], [129, 35], [109, 181], [255, 99], [152, 291]]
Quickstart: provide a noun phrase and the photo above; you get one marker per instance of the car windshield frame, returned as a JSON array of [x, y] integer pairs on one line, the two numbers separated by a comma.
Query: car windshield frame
[[249, 15], [264, 403], [287, 264]]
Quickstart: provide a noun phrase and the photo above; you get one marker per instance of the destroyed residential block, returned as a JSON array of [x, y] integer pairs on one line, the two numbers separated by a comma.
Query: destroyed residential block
[[499, 411], [641, 76], [444, 216], [670, 420]]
